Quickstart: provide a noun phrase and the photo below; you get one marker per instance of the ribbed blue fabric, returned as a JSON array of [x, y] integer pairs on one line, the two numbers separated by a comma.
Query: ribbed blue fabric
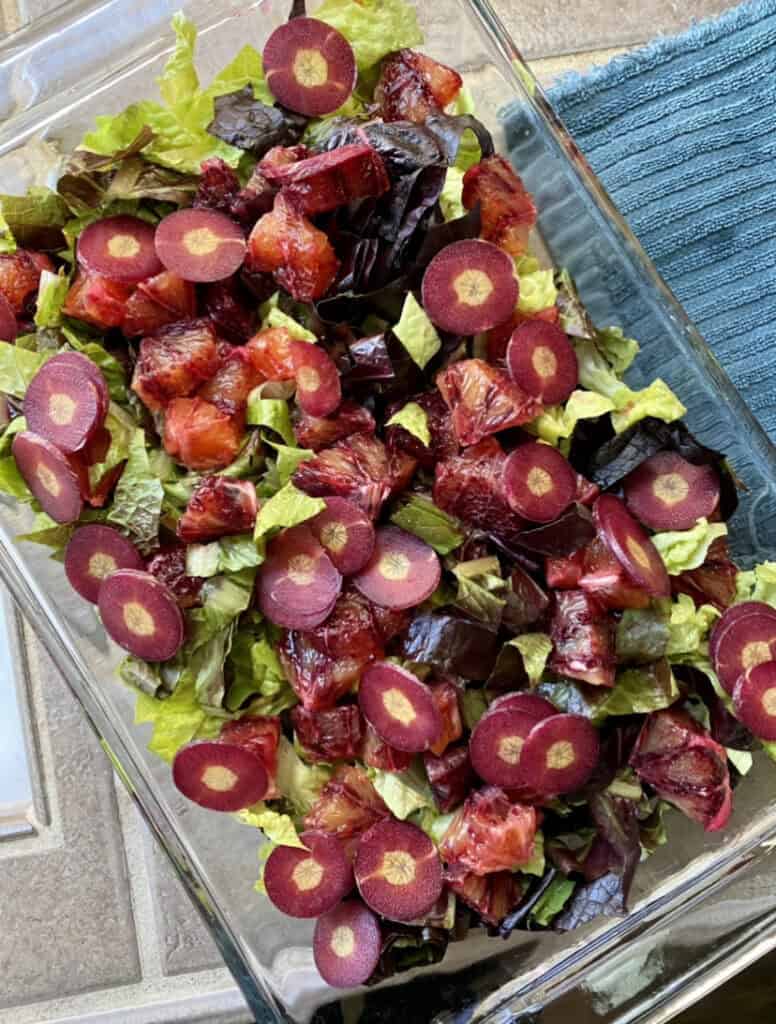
[[683, 135]]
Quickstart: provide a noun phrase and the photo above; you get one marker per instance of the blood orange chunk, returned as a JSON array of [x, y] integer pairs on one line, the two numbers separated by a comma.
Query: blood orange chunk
[[297, 585], [219, 507], [713, 582], [496, 746], [347, 806], [230, 309], [506, 208], [376, 753], [94, 552], [631, 546], [308, 882], [491, 896], [63, 404], [538, 482], [169, 567], [161, 300], [8, 326], [564, 573], [754, 698], [413, 86], [400, 707], [144, 315], [200, 245], [328, 180], [200, 435], [450, 775], [261, 735], [270, 353], [175, 361], [445, 696], [559, 754], [398, 871], [85, 366], [668, 493], [541, 360], [356, 628], [483, 400], [333, 735], [318, 389], [219, 776], [490, 833], [49, 475], [97, 300], [604, 578], [469, 286], [583, 639], [233, 382], [743, 640], [318, 680], [19, 278], [285, 243], [402, 572], [346, 533], [347, 943], [310, 67], [120, 248], [319, 432], [141, 614]]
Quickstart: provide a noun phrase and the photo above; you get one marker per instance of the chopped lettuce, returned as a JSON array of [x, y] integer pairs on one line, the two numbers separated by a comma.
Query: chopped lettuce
[[52, 291], [469, 152], [49, 533], [11, 480], [403, 792], [639, 691], [7, 241], [279, 828], [741, 760], [537, 286], [122, 429], [271, 413], [433, 823], [17, 368], [474, 704], [229, 554], [596, 373], [176, 720], [16, 426], [642, 635], [256, 673], [535, 649], [286, 462], [414, 420], [273, 316], [619, 350], [36, 219], [299, 783], [558, 422], [656, 400], [688, 630], [758, 584], [224, 598], [137, 500], [373, 28], [450, 198], [537, 864], [553, 900], [687, 549], [421, 516], [416, 332], [288, 507], [481, 590]]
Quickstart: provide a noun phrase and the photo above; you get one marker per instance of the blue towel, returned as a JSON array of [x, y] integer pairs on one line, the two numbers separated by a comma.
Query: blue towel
[[683, 135]]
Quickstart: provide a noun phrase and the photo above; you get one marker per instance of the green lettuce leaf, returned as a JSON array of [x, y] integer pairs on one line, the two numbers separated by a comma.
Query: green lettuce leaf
[[538, 862], [626, 784], [404, 792], [11, 480], [279, 828], [224, 598], [420, 516], [205, 666], [596, 373], [229, 554], [474, 704], [143, 676], [469, 152], [271, 413], [687, 549], [758, 584], [553, 900], [300, 783], [416, 332], [7, 241], [652, 829], [50, 534], [373, 28], [535, 649], [287, 461], [642, 635], [618, 350], [688, 630], [17, 368], [256, 673], [638, 691], [16, 426], [137, 500], [273, 316], [558, 422], [35, 219], [52, 291], [176, 720], [480, 590], [414, 420], [122, 429], [657, 400], [450, 198], [288, 507], [741, 760], [537, 286], [433, 823]]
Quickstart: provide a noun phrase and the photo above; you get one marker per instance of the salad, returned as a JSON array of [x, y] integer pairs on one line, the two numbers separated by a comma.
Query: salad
[[407, 576]]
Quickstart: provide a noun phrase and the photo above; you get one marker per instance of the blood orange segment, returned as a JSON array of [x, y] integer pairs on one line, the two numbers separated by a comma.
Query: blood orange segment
[[328, 180], [119, 248], [346, 533], [93, 553], [8, 326], [318, 389], [538, 482], [469, 286], [347, 945], [219, 776], [668, 493], [450, 776], [49, 475], [297, 585], [631, 546], [141, 614], [200, 245], [401, 708], [754, 698], [559, 754], [310, 67], [483, 400], [398, 871], [308, 882], [541, 360], [402, 572], [63, 404], [742, 640]]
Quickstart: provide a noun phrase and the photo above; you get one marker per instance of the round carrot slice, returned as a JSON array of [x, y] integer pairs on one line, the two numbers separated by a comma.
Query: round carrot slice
[[668, 493], [346, 533], [318, 388], [297, 584], [742, 641], [541, 360], [310, 67], [9, 328], [398, 870], [559, 755], [95, 552], [141, 614], [120, 248], [63, 405], [308, 882], [347, 944], [399, 707], [220, 776], [200, 245], [496, 745], [91, 370], [631, 546], [530, 704], [49, 475], [754, 698], [731, 615], [539, 483], [470, 286], [402, 572]]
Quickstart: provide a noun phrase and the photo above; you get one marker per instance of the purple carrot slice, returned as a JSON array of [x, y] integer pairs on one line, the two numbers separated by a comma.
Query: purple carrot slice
[[200, 245], [539, 483], [399, 707], [668, 493], [318, 389], [346, 533], [347, 944], [308, 882], [93, 553], [496, 746], [470, 286], [297, 584], [141, 614], [49, 475], [310, 67], [742, 641], [9, 328], [63, 405], [398, 871], [530, 704], [91, 370], [220, 776], [402, 572], [559, 755], [631, 546], [120, 248], [541, 360], [731, 615], [754, 698]]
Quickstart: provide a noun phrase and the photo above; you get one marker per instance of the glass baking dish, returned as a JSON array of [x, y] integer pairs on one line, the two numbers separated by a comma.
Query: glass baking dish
[[94, 58]]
